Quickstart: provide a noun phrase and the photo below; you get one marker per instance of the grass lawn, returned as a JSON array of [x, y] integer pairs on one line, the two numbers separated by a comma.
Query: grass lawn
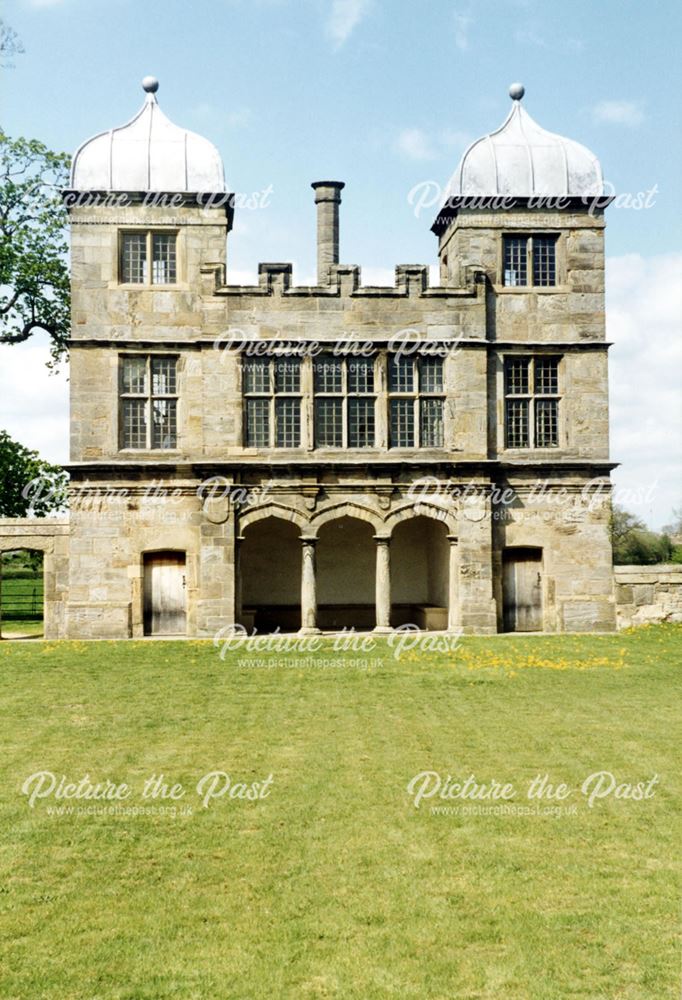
[[21, 594], [333, 884], [21, 629]]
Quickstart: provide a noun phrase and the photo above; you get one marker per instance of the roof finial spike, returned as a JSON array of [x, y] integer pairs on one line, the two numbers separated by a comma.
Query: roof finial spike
[[516, 91], [150, 84]]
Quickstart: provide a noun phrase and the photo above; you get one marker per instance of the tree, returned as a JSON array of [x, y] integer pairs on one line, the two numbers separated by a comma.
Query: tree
[[28, 484], [633, 544], [674, 532], [674, 529], [10, 45], [34, 275]]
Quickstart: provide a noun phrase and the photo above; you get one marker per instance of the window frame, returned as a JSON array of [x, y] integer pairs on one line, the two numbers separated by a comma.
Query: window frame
[[345, 395], [149, 235], [149, 397], [379, 403], [532, 397], [531, 284], [272, 395], [418, 395]]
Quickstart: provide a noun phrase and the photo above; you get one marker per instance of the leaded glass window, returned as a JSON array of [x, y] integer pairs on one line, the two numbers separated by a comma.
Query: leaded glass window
[[138, 248], [544, 260], [163, 258], [134, 258], [529, 260], [515, 260], [532, 402], [345, 402], [148, 401], [272, 402], [416, 401]]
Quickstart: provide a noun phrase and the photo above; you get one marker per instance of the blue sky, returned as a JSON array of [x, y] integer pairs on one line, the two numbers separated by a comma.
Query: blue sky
[[385, 94]]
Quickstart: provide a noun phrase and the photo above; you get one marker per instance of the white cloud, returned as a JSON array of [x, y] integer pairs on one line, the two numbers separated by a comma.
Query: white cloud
[[344, 17], [415, 144], [35, 404], [384, 276], [529, 37], [455, 139], [242, 276], [463, 23], [619, 112], [643, 318], [239, 117]]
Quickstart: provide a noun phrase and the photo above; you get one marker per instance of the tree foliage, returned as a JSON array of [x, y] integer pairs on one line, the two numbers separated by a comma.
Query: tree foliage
[[28, 484], [675, 527], [633, 544], [34, 274], [10, 45]]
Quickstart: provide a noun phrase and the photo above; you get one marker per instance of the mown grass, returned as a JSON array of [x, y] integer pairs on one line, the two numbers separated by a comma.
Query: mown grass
[[21, 598], [335, 885]]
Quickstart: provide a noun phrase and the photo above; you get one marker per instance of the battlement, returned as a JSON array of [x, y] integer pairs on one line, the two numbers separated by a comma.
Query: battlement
[[275, 279]]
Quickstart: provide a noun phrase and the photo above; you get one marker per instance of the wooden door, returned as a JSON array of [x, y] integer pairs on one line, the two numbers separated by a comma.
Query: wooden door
[[164, 594], [522, 587]]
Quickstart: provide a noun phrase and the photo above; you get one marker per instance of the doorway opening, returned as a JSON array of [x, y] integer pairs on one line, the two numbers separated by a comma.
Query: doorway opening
[[420, 574], [22, 594], [522, 589], [165, 590], [270, 562]]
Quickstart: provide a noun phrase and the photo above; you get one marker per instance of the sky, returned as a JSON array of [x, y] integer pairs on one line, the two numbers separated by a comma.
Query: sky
[[385, 95]]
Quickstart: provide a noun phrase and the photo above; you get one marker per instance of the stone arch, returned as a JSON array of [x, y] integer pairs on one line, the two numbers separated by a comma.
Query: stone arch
[[421, 509], [268, 571], [32, 543], [346, 568], [350, 509], [421, 566], [278, 510]]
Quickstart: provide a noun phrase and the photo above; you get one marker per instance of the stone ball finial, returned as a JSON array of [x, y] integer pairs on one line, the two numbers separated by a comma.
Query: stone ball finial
[[150, 84], [516, 91]]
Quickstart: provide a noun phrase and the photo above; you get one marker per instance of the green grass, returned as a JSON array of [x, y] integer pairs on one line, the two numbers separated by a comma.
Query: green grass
[[21, 629], [335, 885], [21, 590]]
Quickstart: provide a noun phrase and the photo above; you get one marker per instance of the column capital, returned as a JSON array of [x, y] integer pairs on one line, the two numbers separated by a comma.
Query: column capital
[[453, 539], [309, 539], [382, 539]]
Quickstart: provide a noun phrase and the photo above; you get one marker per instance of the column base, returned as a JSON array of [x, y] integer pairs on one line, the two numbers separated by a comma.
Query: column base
[[382, 629], [309, 630]]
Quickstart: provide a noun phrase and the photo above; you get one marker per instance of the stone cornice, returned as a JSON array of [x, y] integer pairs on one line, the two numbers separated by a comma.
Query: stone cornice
[[200, 343], [488, 468]]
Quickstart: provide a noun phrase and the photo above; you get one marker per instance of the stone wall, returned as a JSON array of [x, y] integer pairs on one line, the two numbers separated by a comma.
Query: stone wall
[[646, 594], [51, 537]]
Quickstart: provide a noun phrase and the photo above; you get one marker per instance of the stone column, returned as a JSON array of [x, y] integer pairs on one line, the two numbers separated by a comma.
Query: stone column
[[238, 543], [453, 585], [383, 584], [308, 587], [327, 199]]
